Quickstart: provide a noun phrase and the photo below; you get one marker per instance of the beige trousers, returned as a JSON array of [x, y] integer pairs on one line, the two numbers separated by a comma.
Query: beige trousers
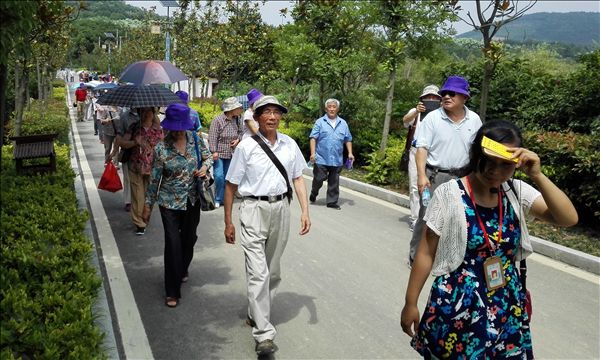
[[264, 232], [139, 185]]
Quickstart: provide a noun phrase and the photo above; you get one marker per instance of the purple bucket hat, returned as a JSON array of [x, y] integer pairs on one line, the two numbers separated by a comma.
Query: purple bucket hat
[[253, 95], [81, 85], [177, 118], [457, 84], [183, 96]]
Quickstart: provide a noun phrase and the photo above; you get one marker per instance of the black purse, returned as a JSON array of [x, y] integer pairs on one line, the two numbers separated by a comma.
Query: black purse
[[204, 186]]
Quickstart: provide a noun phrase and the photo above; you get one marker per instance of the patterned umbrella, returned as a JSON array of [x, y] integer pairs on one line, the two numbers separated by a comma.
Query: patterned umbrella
[[138, 96], [152, 72]]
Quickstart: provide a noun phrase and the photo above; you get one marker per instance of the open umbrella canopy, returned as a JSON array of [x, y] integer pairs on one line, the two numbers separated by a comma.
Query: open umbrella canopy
[[139, 96], [76, 85], [152, 72], [105, 86]]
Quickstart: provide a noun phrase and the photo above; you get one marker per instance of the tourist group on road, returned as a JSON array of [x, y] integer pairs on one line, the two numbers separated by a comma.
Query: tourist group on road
[[470, 233]]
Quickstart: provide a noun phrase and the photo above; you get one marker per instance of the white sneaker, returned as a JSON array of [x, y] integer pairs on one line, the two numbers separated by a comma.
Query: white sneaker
[[217, 205]]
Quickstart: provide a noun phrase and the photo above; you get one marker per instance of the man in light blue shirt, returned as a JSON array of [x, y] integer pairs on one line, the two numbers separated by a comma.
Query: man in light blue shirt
[[327, 139]]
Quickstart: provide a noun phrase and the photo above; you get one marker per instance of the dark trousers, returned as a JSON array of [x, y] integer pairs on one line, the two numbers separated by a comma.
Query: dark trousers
[[332, 175], [180, 237]]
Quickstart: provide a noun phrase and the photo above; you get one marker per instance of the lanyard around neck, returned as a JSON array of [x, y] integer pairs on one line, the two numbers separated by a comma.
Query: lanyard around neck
[[485, 234]]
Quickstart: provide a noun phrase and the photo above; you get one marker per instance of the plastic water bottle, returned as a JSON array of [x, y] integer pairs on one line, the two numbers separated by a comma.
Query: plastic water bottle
[[310, 164], [426, 197]]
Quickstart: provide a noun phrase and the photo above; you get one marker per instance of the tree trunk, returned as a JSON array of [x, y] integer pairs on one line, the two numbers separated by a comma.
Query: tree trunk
[[388, 111], [488, 71], [18, 98], [321, 96], [3, 80], [38, 76]]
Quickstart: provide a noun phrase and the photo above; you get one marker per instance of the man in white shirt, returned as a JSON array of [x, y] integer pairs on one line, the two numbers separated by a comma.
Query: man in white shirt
[[264, 212], [443, 143]]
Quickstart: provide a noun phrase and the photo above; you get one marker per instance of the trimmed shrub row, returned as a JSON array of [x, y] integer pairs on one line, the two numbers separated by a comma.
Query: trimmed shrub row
[[48, 283]]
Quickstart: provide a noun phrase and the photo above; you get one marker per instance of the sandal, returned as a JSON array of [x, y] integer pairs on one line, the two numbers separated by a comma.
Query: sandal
[[171, 302]]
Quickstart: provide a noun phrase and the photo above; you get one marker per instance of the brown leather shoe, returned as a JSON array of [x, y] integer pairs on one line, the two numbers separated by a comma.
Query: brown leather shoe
[[265, 347]]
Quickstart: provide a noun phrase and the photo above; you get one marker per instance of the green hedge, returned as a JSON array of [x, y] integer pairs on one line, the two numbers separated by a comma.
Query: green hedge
[[48, 284], [572, 161], [207, 111]]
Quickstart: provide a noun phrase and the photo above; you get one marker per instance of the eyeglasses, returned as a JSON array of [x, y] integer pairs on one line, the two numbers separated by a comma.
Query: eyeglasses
[[276, 113], [448, 92]]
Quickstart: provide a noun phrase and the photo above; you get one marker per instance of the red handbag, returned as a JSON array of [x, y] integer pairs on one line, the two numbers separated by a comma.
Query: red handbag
[[110, 180]]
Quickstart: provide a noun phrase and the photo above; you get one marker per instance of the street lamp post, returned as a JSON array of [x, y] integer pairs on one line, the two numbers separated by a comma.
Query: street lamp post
[[168, 4], [109, 36]]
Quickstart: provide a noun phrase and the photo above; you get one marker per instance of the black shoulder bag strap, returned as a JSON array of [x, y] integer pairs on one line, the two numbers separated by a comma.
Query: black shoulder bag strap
[[277, 163], [522, 263]]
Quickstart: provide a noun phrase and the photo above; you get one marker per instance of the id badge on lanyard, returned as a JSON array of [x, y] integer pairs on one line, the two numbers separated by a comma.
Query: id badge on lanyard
[[492, 266]]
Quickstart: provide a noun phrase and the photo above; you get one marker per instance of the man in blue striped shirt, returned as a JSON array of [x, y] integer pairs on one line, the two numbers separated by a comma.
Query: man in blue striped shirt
[[327, 139]]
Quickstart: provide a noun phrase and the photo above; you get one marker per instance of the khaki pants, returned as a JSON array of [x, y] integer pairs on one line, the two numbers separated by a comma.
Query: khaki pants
[[264, 232], [139, 185], [80, 110]]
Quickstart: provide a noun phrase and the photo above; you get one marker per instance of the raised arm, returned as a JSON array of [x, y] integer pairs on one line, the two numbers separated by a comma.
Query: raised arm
[[553, 206]]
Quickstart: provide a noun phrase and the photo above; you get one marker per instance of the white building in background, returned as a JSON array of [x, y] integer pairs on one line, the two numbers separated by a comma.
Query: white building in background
[[197, 88]]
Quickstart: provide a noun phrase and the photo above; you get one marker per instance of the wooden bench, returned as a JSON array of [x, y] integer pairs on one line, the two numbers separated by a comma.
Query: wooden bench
[[34, 147]]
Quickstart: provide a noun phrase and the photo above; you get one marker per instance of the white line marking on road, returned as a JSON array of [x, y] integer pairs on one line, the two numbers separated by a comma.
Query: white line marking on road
[[133, 334], [581, 274]]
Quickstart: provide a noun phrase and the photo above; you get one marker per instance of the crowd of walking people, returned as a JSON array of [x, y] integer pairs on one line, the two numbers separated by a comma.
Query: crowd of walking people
[[471, 235]]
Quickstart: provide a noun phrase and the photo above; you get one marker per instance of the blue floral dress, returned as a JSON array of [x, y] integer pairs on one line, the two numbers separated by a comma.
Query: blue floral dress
[[463, 319]]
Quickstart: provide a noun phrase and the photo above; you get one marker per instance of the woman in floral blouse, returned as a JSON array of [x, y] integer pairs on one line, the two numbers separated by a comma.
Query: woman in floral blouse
[[172, 180], [142, 138], [476, 233]]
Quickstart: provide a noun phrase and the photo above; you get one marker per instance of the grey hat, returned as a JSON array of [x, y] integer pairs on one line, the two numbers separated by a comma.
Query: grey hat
[[268, 100], [430, 90], [231, 103]]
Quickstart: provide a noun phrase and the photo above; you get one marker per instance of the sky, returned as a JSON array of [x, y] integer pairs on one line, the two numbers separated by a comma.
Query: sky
[[271, 15]]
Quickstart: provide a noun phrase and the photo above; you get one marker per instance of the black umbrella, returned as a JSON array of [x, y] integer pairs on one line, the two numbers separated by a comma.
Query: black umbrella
[[152, 72], [139, 96]]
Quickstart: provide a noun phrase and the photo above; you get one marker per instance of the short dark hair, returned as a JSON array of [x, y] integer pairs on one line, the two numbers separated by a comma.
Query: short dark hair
[[501, 131]]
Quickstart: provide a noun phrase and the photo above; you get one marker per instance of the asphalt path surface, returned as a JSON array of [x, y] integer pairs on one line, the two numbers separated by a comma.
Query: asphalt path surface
[[341, 295]]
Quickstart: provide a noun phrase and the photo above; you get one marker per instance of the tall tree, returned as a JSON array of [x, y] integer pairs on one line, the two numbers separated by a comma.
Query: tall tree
[[407, 28], [490, 16], [338, 30]]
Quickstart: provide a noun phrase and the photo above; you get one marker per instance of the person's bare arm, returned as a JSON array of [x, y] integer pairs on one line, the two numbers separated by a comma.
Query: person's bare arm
[[421, 161], [300, 188], [553, 206], [229, 232], [419, 272]]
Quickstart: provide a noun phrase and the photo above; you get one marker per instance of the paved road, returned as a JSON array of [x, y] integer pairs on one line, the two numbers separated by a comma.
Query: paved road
[[342, 291]]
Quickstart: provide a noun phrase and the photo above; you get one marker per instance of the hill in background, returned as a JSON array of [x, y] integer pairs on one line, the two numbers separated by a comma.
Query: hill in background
[[580, 28]]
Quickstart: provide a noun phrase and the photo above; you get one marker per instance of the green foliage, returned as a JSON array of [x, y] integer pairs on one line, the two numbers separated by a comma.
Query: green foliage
[[572, 161], [48, 283], [383, 170], [298, 131], [46, 117], [207, 111]]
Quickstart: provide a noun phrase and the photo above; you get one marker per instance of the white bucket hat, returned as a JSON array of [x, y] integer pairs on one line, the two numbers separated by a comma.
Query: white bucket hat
[[231, 103], [430, 90]]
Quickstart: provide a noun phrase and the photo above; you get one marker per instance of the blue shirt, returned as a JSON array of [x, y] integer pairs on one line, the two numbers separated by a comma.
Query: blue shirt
[[195, 120], [330, 140]]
